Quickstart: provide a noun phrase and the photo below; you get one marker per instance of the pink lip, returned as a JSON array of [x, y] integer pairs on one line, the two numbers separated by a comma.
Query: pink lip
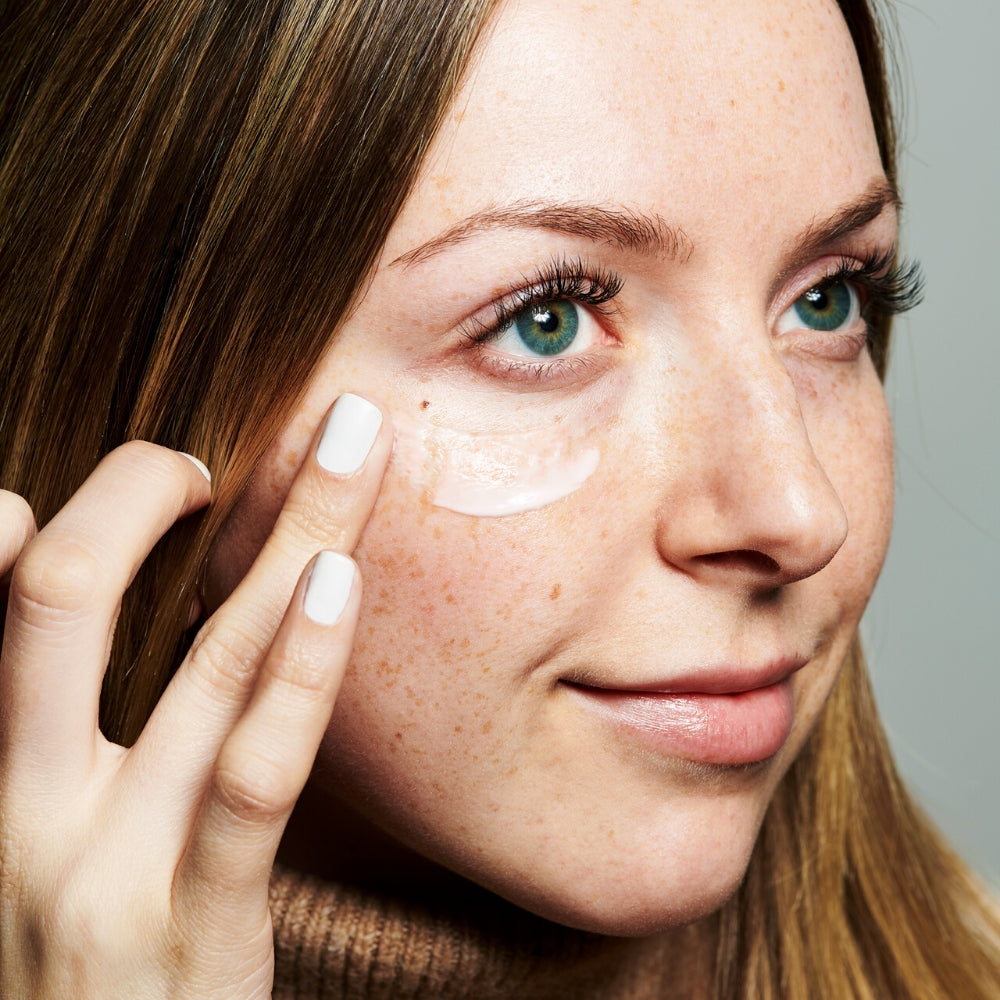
[[721, 718]]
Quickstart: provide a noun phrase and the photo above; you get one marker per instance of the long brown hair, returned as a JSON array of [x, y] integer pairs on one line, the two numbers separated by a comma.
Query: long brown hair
[[193, 196]]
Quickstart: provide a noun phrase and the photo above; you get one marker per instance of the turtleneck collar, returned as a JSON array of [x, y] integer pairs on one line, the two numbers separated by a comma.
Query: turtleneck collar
[[336, 942]]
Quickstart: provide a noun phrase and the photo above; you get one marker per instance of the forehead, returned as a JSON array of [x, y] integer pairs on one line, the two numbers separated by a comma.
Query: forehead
[[667, 106]]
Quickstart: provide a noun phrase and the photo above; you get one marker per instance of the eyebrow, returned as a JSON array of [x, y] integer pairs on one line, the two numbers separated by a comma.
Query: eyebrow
[[644, 233], [879, 195], [624, 229], [821, 234]]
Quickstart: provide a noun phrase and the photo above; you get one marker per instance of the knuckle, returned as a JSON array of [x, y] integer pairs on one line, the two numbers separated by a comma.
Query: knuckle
[[56, 577], [223, 660], [294, 670], [57, 917], [305, 518], [254, 791]]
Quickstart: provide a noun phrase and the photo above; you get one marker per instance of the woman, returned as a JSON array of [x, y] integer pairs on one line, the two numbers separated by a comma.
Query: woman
[[567, 323]]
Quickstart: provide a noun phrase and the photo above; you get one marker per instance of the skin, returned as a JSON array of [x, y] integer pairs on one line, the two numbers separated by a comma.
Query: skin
[[735, 523], [741, 509]]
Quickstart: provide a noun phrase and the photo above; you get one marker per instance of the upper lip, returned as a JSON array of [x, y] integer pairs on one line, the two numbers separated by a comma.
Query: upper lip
[[718, 679]]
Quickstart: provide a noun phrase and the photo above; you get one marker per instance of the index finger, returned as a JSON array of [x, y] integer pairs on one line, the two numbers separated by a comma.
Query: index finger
[[327, 508]]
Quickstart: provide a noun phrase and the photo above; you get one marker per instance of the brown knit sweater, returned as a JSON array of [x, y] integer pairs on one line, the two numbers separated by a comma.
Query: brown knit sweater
[[338, 943]]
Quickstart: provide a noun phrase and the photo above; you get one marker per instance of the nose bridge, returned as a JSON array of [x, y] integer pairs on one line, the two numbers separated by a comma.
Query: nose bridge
[[757, 407], [754, 483]]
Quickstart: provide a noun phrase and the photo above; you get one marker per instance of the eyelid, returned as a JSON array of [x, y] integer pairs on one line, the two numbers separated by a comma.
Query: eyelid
[[884, 280], [571, 279], [823, 272], [591, 288]]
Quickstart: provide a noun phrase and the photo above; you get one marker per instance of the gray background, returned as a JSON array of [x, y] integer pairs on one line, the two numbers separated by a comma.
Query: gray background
[[933, 629]]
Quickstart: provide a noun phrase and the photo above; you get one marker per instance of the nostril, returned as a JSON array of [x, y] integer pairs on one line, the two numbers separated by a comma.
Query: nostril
[[745, 559]]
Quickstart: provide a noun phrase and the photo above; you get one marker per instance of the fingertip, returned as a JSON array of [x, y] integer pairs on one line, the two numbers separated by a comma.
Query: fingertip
[[19, 528], [349, 434], [17, 511], [328, 587], [198, 464]]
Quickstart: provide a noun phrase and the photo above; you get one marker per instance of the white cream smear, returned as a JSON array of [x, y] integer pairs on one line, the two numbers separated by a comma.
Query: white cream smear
[[492, 475]]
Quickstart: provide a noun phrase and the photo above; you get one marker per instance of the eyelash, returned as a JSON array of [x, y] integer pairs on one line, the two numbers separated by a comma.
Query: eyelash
[[887, 287], [570, 280]]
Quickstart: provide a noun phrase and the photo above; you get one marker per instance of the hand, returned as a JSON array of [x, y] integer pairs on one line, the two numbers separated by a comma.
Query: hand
[[143, 873]]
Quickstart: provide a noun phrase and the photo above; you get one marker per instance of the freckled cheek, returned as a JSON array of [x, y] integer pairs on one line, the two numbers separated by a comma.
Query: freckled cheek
[[455, 610], [854, 444]]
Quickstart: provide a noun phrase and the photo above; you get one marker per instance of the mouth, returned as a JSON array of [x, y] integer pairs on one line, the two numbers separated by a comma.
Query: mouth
[[723, 717]]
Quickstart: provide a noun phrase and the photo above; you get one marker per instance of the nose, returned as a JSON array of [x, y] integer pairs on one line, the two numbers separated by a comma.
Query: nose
[[749, 501]]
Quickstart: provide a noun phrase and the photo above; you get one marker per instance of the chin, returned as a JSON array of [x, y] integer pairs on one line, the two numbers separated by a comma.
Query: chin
[[640, 913], [634, 896]]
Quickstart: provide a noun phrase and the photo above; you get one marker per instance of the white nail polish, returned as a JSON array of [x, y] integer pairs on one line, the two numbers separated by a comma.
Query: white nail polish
[[349, 434], [199, 465], [328, 588]]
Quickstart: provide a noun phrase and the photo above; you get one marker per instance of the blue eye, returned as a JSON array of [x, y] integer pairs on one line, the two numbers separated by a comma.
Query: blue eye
[[824, 308], [548, 328]]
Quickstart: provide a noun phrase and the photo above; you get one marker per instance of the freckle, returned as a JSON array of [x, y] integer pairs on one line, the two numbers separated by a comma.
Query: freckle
[[781, 85], [449, 599], [466, 643], [458, 729], [437, 531], [555, 592], [487, 726], [399, 736]]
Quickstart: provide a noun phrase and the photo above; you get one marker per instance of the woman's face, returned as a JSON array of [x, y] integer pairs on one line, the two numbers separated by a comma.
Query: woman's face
[[623, 542]]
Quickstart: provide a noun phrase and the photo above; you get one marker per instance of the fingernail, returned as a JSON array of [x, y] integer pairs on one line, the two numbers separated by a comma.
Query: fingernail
[[199, 464], [349, 434], [328, 588]]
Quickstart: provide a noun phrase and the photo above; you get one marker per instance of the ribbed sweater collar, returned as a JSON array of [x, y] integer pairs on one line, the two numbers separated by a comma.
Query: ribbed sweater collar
[[339, 943]]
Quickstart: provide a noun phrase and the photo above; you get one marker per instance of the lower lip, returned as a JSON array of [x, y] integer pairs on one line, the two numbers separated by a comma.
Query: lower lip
[[742, 728]]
